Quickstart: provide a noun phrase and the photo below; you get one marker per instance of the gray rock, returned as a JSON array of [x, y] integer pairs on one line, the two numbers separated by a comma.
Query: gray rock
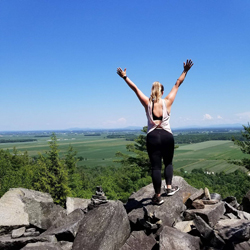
[[32, 229], [23, 207], [231, 216], [195, 196], [208, 236], [31, 234], [75, 203], [16, 233], [67, 228], [207, 194], [242, 246], [174, 239], [65, 245], [43, 214], [246, 202], [139, 240], [210, 214], [6, 243], [232, 201], [12, 210], [215, 196], [173, 204], [204, 229], [198, 204], [184, 226], [210, 202], [107, 226], [42, 246], [233, 229]]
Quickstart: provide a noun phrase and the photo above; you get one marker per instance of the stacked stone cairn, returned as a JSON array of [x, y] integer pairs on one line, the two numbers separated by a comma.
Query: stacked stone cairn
[[190, 219]]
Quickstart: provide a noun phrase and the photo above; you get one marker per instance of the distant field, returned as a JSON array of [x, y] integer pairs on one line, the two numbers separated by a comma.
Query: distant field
[[96, 150], [210, 155], [100, 151]]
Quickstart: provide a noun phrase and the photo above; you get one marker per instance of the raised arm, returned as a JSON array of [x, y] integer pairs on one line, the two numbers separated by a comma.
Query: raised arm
[[171, 96], [143, 99]]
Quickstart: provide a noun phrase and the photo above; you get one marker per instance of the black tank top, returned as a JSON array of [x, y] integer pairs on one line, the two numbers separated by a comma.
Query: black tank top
[[154, 116]]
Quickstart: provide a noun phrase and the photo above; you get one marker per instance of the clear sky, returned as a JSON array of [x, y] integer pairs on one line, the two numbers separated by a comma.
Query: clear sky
[[59, 58]]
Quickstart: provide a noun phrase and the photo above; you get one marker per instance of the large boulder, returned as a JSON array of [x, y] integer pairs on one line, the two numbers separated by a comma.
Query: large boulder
[[24, 207], [234, 230], [66, 228], [75, 203], [210, 214], [104, 228], [173, 239], [12, 210], [7, 243], [169, 212], [139, 240]]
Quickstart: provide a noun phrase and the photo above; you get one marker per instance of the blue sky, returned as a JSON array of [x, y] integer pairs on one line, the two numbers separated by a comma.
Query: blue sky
[[59, 58]]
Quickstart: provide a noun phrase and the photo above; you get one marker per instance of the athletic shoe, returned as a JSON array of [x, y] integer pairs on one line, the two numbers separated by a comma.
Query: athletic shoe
[[157, 200], [171, 191]]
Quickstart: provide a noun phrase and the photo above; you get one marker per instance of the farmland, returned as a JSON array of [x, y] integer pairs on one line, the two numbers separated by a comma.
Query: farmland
[[98, 150]]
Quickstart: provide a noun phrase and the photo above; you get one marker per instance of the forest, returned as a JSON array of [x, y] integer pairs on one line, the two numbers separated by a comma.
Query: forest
[[61, 176]]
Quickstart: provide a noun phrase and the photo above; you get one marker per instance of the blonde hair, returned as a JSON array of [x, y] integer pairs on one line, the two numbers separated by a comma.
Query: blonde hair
[[156, 92]]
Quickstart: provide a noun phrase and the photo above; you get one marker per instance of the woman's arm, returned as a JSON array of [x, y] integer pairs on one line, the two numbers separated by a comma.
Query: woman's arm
[[171, 96], [143, 99]]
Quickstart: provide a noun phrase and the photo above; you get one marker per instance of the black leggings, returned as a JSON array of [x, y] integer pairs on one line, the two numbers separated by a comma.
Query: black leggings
[[160, 144]]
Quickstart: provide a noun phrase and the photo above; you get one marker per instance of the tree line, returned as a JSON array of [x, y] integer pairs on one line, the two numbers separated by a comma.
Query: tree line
[[61, 177]]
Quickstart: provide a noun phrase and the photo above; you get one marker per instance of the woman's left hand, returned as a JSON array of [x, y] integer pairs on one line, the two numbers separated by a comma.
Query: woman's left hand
[[121, 72], [187, 66]]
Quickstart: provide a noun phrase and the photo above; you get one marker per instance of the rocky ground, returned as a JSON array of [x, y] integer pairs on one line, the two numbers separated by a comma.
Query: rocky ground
[[190, 219]]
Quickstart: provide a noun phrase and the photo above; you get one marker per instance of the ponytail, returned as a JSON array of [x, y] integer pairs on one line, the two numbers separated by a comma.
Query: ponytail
[[156, 92]]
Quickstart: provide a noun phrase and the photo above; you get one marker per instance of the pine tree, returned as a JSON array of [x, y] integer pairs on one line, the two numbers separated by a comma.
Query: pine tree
[[53, 175], [244, 147]]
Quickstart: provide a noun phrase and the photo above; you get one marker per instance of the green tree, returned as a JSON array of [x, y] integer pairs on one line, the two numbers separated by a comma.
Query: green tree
[[244, 146], [52, 174]]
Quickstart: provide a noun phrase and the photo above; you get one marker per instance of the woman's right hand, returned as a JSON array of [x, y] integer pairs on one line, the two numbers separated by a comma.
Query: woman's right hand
[[121, 72]]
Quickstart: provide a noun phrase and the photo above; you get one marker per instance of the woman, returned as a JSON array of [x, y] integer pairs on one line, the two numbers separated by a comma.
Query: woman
[[160, 141]]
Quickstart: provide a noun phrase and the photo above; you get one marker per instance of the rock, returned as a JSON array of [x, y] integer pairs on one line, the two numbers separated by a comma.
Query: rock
[[197, 195], [184, 226], [234, 230], [31, 234], [198, 204], [210, 214], [16, 233], [42, 246], [98, 199], [174, 239], [75, 203], [232, 201], [207, 194], [231, 216], [169, 212], [204, 229], [23, 207], [41, 209], [215, 196], [65, 245], [12, 210], [67, 228], [106, 225], [210, 202], [242, 246], [246, 202], [139, 240], [6, 243], [32, 229]]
